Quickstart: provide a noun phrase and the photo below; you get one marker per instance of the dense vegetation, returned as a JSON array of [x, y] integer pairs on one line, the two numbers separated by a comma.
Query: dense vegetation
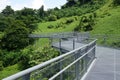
[[20, 52]]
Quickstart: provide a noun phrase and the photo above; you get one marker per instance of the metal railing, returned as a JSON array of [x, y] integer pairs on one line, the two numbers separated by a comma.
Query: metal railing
[[108, 40], [60, 35], [69, 66]]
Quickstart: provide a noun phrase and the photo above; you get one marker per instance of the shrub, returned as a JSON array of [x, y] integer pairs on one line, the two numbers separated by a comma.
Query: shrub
[[61, 24], [16, 37], [9, 58], [1, 65], [32, 57], [87, 27], [94, 14], [116, 44], [77, 28], [76, 18], [50, 26], [68, 21], [52, 18], [116, 2]]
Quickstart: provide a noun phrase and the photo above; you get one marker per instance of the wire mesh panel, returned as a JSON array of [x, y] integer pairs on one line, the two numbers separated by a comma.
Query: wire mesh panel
[[79, 66]]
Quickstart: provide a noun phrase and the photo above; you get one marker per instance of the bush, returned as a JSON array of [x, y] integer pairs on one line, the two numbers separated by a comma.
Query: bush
[[32, 57], [68, 21], [116, 2], [1, 65], [9, 58], [116, 44], [16, 37], [60, 25], [52, 18], [50, 26], [77, 28]]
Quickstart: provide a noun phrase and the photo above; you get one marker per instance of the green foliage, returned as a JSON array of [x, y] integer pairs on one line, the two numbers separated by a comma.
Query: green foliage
[[41, 12], [60, 25], [116, 44], [8, 11], [32, 57], [9, 58], [16, 36], [1, 65], [3, 24], [9, 71], [52, 18], [27, 11], [50, 26], [86, 24], [70, 3], [77, 10], [116, 2], [68, 21]]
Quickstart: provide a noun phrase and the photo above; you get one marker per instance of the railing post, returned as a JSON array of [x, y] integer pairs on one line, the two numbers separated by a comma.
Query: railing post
[[85, 59], [73, 44], [61, 76], [50, 41], [60, 46], [94, 51], [77, 66]]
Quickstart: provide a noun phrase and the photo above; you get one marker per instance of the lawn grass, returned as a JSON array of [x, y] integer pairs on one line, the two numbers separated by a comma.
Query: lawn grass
[[9, 71], [107, 22], [42, 27]]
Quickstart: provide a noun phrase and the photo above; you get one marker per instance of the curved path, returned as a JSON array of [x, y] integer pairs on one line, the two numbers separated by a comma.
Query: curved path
[[106, 66]]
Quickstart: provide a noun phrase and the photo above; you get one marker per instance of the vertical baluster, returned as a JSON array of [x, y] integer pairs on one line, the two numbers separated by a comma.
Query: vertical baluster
[[77, 65], [73, 44], [61, 76]]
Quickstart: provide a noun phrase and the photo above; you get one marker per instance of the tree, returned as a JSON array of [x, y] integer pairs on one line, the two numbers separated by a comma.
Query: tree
[[16, 36], [83, 1], [27, 11], [3, 24], [41, 12], [8, 11], [52, 18], [28, 17], [116, 2], [70, 3]]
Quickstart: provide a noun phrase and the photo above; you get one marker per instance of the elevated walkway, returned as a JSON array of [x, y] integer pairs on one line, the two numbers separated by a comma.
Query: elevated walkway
[[79, 54], [106, 66]]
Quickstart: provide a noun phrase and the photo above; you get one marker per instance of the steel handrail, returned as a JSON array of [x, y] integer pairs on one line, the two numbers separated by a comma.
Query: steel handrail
[[29, 70], [60, 72]]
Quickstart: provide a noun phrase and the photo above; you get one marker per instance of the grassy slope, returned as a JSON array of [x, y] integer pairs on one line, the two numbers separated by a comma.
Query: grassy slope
[[9, 71], [108, 21], [42, 27]]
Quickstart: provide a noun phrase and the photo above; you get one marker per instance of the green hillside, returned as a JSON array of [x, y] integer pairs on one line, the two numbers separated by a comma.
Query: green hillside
[[107, 22]]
